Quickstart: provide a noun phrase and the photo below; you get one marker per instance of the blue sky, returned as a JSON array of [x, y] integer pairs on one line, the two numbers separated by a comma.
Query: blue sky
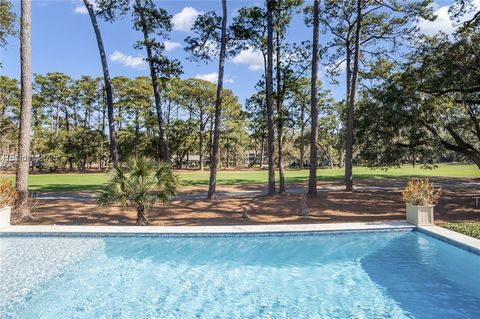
[[63, 41]]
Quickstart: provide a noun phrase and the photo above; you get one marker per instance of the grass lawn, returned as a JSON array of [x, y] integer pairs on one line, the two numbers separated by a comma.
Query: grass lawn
[[469, 229], [92, 181]]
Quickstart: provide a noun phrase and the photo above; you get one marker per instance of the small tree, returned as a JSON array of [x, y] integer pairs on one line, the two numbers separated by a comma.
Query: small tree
[[140, 183]]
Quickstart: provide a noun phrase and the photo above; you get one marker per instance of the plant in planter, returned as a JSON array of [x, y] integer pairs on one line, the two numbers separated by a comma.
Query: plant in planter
[[140, 183], [420, 197], [8, 196]]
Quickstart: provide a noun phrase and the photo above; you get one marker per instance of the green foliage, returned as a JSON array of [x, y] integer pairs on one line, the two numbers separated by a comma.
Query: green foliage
[[74, 182], [469, 229], [467, 13], [155, 24], [140, 182], [249, 28], [432, 103], [204, 45], [181, 139], [110, 10], [7, 22], [9, 110]]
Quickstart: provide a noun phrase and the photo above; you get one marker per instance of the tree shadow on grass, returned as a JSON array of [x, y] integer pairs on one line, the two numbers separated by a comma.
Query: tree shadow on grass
[[48, 188]]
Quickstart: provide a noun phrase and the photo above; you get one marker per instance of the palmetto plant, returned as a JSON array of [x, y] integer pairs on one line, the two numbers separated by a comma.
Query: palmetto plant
[[140, 183]]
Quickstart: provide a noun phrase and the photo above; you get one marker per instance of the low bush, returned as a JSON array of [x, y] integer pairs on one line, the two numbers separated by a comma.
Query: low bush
[[420, 192], [8, 194], [469, 229]]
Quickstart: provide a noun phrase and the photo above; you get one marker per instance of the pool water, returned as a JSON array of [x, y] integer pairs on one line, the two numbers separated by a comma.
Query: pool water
[[351, 275]]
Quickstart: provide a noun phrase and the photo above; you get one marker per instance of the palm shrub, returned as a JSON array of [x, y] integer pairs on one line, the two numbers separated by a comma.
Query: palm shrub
[[140, 183]]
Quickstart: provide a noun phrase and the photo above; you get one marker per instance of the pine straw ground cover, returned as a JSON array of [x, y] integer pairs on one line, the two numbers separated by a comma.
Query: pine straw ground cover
[[457, 204]]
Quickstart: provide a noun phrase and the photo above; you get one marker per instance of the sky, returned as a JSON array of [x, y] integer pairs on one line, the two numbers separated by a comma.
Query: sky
[[63, 41]]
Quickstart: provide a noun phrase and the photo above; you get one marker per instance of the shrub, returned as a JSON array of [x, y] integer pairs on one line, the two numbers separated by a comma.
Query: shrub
[[8, 194], [140, 183], [469, 229], [420, 192]]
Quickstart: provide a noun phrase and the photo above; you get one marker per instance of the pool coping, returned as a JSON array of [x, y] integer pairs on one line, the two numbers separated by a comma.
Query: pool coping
[[452, 237], [204, 230]]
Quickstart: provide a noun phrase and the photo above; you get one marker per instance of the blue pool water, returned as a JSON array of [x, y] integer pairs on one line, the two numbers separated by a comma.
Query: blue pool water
[[353, 275]]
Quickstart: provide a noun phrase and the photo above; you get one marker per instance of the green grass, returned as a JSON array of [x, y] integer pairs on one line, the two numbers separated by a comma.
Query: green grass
[[469, 229], [296, 175], [92, 181]]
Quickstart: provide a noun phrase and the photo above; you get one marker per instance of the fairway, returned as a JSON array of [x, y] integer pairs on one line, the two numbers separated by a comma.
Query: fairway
[[92, 181]]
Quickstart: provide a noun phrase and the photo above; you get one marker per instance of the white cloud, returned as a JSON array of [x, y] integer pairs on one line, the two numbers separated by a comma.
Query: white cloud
[[210, 48], [184, 20], [170, 45], [213, 77], [80, 10], [128, 60], [441, 24], [251, 57]]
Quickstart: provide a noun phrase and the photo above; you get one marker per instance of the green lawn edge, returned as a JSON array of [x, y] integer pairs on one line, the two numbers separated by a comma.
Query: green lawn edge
[[78, 182]]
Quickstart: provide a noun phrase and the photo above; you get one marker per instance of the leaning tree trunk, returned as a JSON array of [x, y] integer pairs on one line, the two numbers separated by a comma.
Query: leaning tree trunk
[[312, 179], [153, 74], [142, 216], [218, 107], [108, 86], [351, 103], [269, 97], [25, 108]]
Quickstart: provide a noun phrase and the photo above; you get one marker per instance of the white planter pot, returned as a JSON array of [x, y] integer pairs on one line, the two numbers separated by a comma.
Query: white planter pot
[[420, 215], [5, 213]]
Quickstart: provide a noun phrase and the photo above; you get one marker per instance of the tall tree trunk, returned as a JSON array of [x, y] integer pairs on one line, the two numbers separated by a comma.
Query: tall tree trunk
[[269, 97], [57, 119], [351, 103], [302, 137], [106, 78], [25, 109], [52, 129], [200, 143], [218, 106], [341, 157], [312, 179], [212, 119], [137, 133], [262, 151], [348, 69], [280, 119], [153, 74]]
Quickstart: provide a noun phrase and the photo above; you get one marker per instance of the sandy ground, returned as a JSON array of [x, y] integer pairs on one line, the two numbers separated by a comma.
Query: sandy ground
[[374, 200]]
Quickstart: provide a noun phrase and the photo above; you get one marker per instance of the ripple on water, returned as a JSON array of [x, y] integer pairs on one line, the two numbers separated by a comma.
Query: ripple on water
[[324, 276]]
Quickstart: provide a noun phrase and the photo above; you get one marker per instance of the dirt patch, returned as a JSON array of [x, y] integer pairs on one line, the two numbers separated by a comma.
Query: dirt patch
[[332, 205]]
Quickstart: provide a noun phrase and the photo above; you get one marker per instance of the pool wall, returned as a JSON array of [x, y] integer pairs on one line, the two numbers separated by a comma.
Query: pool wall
[[457, 239]]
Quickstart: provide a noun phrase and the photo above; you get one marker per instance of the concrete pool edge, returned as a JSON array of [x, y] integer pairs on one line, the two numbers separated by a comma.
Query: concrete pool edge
[[203, 230], [452, 237], [449, 236]]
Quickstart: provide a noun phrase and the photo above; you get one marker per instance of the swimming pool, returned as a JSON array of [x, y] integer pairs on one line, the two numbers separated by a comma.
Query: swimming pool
[[395, 274]]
